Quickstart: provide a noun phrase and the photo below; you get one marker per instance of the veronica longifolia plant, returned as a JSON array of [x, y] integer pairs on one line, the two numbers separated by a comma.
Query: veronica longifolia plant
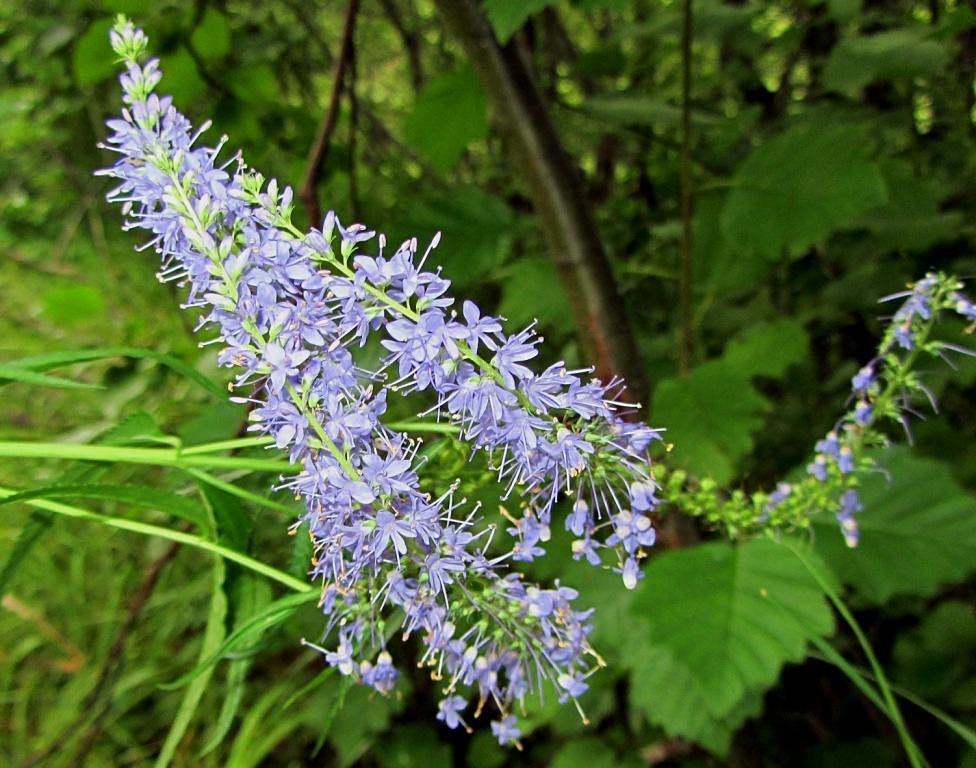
[[290, 308]]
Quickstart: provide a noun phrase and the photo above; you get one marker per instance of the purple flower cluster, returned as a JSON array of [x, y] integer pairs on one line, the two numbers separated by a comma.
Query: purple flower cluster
[[884, 388], [290, 309]]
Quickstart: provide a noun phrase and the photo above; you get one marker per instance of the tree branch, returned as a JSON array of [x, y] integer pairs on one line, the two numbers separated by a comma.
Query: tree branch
[[410, 40], [557, 193], [320, 148]]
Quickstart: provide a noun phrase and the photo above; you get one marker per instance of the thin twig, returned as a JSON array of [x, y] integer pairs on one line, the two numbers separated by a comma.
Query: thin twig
[[323, 138], [685, 332]]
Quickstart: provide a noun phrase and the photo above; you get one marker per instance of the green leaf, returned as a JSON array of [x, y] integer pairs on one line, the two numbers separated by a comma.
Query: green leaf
[[508, 16], [74, 304], [36, 526], [10, 372], [911, 219], [533, 291], [629, 109], [234, 523], [477, 230], [918, 530], [147, 497], [767, 349], [590, 752], [414, 746], [180, 77], [447, 116], [212, 637], [271, 616], [92, 59], [51, 360], [247, 598], [211, 38], [729, 617], [796, 188], [710, 416], [895, 53]]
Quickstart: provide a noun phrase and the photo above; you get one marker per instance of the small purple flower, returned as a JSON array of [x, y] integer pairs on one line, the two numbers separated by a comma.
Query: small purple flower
[[506, 730], [449, 709]]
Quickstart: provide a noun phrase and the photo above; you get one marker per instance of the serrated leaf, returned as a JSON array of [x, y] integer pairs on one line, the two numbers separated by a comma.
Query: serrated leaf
[[710, 416], [895, 53], [508, 16], [918, 530], [730, 617], [477, 229], [447, 116], [147, 497], [767, 349], [911, 219], [796, 188], [665, 691]]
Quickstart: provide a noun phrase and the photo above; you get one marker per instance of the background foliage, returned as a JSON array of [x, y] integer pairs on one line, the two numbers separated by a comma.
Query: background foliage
[[832, 152]]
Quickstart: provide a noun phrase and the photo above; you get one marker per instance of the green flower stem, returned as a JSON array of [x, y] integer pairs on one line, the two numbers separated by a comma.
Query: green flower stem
[[227, 445], [162, 457], [241, 493], [894, 713], [146, 529]]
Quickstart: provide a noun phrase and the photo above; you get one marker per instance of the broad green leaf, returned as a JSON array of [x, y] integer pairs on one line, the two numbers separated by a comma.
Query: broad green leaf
[[730, 617], [796, 188], [51, 360], [447, 116], [92, 58], [719, 269], [892, 54], [136, 428], [213, 634], [220, 420], [36, 526], [414, 746], [10, 372], [937, 658], [211, 38], [665, 691], [507, 16], [591, 752], [767, 349], [147, 497], [477, 230], [181, 79], [629, 109], [918, 530], [710, 416], [533, 291], [911, 219]]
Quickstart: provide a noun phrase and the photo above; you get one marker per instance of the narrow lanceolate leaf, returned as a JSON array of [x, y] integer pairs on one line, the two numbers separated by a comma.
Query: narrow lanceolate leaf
[[798, 187], [37, 524], [10, 372], [212, 637], [271, 616], [143, 496], [51, 360], [914, 512], [720, 621]]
